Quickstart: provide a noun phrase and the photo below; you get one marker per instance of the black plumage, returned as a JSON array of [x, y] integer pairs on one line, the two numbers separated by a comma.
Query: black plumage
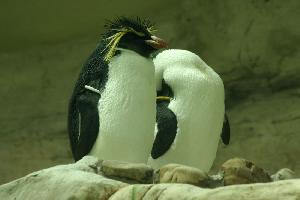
[[83, 116], [130, 41], [94, 73], [138, 24], [166, 123], [225, 135]]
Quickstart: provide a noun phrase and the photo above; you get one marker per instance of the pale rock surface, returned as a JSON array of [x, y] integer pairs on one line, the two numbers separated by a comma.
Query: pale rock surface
[[73, 181], [283, 174], [84, 180], [287, 190]]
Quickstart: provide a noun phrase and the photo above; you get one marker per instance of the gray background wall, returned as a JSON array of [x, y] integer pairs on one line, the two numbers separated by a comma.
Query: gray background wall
[[252, 44]]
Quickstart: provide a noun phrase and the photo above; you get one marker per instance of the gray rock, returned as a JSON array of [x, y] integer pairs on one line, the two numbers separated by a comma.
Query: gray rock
[[127, 172], [83, 180], [283, 174], [73, 181], [287, 190]]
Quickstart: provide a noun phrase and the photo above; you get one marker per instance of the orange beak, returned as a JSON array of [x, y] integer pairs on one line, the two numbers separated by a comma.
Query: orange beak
[[156, 42]]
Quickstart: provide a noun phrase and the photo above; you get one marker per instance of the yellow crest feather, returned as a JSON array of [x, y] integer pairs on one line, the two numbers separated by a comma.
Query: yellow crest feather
[[115, 39], [151, 29]]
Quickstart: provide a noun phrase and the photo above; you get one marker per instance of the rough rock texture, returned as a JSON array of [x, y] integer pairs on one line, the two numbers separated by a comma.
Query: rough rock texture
[[84, 180], [252, 44], [133, 172], [240, 171], [287, 190], [265, 130], [73, 181], [283, 174], [175, 173]]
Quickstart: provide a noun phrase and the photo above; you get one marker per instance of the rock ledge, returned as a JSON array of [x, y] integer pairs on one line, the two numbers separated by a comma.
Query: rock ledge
[[85, 180]]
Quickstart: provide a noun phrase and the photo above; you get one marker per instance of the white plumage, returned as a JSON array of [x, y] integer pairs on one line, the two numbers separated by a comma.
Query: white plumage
[[198, 104], [127, 109]]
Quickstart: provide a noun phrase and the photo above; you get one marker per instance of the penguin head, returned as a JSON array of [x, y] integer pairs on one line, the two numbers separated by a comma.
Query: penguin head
[[132, 34]]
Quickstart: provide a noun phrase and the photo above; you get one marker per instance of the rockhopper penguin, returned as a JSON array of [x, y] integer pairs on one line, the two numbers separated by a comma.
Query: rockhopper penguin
[[190, 111], [112, 108]]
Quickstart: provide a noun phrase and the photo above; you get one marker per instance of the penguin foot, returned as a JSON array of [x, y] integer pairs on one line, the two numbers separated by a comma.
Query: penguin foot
[[127, 172], [176, 173]]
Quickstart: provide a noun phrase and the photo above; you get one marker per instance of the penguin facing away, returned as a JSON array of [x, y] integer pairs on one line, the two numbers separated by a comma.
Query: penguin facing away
[[190, 111], [112, 108]]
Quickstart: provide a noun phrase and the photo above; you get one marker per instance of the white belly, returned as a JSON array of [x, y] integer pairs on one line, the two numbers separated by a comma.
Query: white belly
[[127, 110]]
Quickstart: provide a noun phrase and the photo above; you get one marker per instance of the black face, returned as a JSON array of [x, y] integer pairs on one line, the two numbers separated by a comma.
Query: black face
[[137, 43], [136, 36]]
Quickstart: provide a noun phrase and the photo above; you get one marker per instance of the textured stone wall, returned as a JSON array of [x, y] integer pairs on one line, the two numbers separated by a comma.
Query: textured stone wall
[[253, 45]]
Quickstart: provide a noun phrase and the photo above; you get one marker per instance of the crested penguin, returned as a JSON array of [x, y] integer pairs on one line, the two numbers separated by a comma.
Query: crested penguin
[[112, 108], [190, 111]]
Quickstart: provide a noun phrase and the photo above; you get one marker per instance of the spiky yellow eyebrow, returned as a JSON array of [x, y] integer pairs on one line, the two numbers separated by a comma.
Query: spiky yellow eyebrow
[[115, 39], [151, 30]]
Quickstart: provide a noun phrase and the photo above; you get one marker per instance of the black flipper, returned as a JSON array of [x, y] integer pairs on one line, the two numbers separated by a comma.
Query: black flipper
[[166, 124], [167, 128], [87, 104], [225, 135], [83, 104]]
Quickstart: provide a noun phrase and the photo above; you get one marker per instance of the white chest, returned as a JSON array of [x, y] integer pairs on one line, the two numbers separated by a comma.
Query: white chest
[[127, 109]]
